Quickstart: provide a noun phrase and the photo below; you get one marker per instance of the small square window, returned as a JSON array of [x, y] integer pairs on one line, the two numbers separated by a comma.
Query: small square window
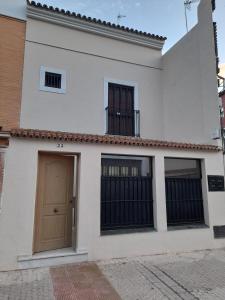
[[52, 80]]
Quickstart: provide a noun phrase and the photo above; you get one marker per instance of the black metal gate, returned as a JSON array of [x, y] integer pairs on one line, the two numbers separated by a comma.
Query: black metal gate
[[184, 201], [126, 202]]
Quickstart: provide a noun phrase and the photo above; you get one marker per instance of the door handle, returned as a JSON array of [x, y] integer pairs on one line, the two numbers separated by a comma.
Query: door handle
[[72, 200], [55, 210]]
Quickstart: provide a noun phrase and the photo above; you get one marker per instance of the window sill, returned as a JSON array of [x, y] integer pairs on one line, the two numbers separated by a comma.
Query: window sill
[[118, 135], [127, 231], [186, 227], [53, 90]]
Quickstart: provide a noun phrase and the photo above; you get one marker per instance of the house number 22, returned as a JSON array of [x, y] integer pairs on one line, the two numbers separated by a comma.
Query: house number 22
[[60, 145]]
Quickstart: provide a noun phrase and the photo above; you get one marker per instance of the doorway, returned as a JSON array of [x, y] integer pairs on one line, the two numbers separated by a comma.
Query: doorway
[[54, 203]]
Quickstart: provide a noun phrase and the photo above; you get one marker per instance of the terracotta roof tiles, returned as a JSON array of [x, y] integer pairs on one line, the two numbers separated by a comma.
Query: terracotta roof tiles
[[107, 139], [93, 20]]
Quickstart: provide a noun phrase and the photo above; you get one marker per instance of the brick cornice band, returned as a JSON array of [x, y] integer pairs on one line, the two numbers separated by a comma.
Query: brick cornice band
[[106, 139]]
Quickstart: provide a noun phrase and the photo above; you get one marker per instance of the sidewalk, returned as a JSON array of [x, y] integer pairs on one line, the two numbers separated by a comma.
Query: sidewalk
[[187, 276], [71, 282]]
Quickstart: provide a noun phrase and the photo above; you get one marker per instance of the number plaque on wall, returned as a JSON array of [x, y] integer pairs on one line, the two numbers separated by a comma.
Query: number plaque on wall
[[216, 183]]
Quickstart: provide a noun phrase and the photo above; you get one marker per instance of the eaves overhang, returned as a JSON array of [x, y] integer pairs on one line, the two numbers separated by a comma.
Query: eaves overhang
[[36, 134], [71, 20]]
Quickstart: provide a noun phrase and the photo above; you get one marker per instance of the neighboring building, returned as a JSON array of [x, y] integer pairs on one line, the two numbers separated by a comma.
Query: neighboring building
[[91, 169], [222, 90], [221, 78], [12, 41], [222, 96], [222, 70]]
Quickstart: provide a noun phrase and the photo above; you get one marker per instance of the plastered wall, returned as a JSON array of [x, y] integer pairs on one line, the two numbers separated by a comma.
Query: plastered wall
[[190, 97], [88, 60], [177, 92], [19, 194]]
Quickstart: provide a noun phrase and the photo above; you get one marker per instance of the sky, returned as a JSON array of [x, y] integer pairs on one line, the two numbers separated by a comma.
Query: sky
[[163, 17]]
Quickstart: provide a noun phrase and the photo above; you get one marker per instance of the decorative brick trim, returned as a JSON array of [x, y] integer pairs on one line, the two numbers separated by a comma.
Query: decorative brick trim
[[107, 139]]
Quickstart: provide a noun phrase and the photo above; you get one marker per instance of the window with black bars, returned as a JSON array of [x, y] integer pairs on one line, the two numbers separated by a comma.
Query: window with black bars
[[53, 80], [184, 199], [126, 193]]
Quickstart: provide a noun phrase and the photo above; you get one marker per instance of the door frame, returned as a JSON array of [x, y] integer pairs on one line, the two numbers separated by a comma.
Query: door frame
[[76, 182]]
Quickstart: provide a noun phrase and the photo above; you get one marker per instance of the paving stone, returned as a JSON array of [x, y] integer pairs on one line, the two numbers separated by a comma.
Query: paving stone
[[81, 282], [33, 284], [188, 276]]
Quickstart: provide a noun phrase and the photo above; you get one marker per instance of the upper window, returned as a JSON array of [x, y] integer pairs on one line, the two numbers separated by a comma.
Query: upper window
[[122, 117], [52, 80]]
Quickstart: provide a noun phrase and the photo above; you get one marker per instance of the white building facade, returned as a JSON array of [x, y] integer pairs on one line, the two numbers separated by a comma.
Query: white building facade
[[92, 173]]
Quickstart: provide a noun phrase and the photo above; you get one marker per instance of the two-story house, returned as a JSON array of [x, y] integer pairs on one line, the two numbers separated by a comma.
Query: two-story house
[[114, 153]]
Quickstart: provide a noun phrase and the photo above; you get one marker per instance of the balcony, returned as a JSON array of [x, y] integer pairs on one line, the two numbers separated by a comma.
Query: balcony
[[123, 122]]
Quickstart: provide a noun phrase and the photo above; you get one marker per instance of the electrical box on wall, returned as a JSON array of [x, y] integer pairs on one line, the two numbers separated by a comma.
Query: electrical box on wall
[[216, 134]]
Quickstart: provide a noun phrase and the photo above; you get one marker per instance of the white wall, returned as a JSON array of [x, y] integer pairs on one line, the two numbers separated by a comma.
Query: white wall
[[81, 109], [190, 97], [13, 8], [177, 92], [19, 193]]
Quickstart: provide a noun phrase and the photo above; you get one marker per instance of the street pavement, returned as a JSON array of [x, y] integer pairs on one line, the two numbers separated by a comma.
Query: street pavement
[[187, 276]]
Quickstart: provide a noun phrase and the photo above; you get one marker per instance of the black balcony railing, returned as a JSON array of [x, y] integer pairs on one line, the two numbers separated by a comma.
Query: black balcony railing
[[123, 122], [184, 201]]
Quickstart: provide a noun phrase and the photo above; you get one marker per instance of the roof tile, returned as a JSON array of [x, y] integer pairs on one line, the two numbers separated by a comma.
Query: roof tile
[[94, 20], [107, 139]]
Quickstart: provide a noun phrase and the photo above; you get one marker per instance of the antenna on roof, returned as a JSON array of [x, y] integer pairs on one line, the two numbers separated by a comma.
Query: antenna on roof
[[187, 6], [119, 17]]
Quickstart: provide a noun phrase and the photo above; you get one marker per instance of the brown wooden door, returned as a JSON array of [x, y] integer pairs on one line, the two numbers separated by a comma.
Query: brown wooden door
[[120, 110], [53, 223]]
